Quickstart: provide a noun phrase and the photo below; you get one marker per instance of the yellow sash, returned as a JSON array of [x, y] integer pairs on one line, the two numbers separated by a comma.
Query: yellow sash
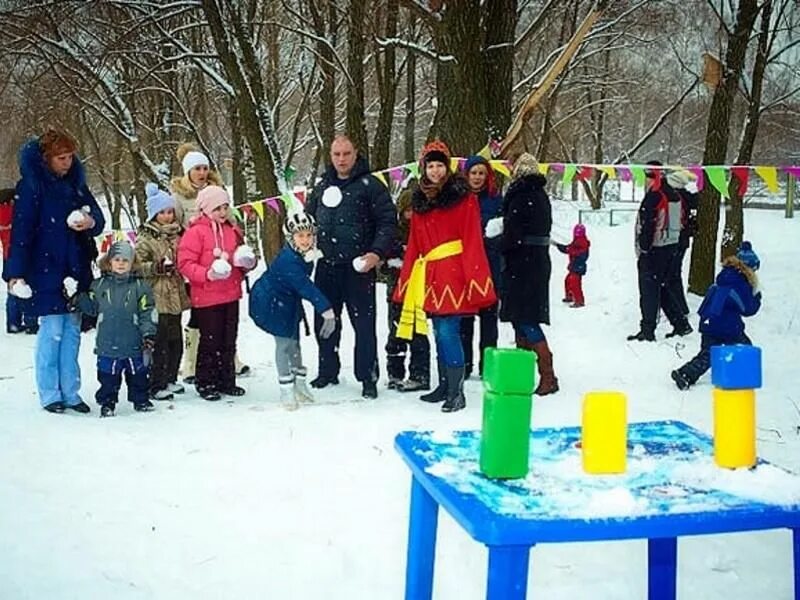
[[412, 317]]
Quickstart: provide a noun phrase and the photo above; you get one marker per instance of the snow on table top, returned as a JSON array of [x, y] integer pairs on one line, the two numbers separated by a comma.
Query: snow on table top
[[670, 470]]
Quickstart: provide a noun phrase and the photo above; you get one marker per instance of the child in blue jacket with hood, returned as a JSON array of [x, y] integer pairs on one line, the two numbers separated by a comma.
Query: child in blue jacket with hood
[[734, 295], [276, 305]]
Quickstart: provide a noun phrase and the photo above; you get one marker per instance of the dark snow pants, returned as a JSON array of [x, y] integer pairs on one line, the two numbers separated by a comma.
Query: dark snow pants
[[419, 368], [217, 348], [695, 368], [342, 285], [487, 335]]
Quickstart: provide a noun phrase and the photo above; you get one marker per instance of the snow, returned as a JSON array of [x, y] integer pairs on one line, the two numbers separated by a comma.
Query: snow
[[243, 499]]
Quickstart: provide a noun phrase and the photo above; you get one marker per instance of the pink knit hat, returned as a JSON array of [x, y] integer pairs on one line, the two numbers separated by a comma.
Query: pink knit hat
[[211, 197]]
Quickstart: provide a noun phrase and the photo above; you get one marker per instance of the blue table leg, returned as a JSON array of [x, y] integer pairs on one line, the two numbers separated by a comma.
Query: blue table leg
[[662, 555], [508, 573], [422, 525], [796, 547]]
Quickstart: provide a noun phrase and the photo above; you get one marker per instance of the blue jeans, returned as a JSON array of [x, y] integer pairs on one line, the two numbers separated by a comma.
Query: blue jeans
[[447, 333], [58, 375], [18, 313], [531, 332]]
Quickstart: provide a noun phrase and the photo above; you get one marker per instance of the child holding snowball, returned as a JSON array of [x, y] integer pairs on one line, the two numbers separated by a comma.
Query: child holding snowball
[[156, 251], [213, 258]]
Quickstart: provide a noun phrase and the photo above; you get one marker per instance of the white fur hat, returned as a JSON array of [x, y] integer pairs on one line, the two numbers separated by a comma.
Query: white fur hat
[[193, 159]]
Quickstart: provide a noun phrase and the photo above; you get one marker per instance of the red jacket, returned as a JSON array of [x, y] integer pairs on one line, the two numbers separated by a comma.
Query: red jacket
[[6, 217], [195, 255], [459, 284]]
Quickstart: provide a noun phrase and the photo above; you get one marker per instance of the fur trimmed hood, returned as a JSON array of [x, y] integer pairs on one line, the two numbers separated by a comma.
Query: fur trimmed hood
[[32, 166], [181, 185], [453, 191]]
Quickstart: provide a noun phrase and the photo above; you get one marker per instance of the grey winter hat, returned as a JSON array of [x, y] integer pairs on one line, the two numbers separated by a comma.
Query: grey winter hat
[[121, 249]]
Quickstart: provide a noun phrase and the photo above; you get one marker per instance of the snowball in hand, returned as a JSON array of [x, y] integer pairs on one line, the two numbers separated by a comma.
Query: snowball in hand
[[20, 289], [70, 286], [244, 257], [360, 264], [75, 217], [221, 267]]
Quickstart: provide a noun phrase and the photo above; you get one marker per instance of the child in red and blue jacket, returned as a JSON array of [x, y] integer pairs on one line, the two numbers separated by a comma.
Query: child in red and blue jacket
[[578, 251]]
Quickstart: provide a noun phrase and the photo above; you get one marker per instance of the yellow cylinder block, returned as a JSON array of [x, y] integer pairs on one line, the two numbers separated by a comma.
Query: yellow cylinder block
[[604, 432], [734, 428]]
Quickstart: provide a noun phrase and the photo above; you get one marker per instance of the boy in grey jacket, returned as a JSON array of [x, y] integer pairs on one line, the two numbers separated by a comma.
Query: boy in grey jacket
[[126, 328]]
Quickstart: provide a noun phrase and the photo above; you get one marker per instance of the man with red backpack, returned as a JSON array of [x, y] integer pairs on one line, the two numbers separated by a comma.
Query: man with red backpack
[[658, 232]]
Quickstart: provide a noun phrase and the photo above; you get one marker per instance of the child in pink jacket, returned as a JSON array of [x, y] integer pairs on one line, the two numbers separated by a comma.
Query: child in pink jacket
[[212, 257]]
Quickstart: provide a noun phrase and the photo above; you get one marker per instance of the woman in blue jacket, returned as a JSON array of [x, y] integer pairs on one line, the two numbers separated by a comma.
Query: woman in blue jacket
[[276, 305], [734, 295], [52, 238]]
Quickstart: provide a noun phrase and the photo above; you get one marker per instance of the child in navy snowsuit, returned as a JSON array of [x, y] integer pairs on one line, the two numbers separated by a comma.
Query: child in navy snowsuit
[[126, 328], [276, 305], [578, 251], [734, 295]]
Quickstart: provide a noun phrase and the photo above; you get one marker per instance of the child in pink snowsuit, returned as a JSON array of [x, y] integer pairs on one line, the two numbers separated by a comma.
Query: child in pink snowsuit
[[578, 251]]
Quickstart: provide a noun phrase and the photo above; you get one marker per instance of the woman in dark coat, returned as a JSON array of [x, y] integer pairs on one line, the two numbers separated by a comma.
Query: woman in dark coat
[[525, 244], [52, 238]]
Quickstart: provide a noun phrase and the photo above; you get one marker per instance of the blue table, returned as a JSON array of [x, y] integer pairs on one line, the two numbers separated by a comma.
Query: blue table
[[671, 489]]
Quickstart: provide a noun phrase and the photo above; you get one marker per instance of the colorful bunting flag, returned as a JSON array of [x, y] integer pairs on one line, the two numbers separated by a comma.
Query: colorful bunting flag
[[543, 168], [288, 173], [258, 207], [397, 174], [273, 204], [700, 180], [585, 173], [639, 177], [742, 175], [793, 171], [608, 171], [570, 170], [301, 196], [379, 176], [624, 174], [501, 166], [717, 178], [770, 177]]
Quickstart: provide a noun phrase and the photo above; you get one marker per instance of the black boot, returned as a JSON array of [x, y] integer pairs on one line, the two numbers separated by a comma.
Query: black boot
[[455, 390], [324, 381], [440, 393]]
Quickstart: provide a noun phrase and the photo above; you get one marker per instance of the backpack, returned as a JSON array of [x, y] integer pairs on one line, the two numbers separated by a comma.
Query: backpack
[[257, 306]]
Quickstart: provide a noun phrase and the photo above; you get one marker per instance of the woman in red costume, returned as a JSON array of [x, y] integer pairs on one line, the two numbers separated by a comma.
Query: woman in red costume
[[445, 273]]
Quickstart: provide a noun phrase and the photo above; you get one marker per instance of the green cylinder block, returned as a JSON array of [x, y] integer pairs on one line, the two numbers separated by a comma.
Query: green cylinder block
[[509, 371], [505, 436]]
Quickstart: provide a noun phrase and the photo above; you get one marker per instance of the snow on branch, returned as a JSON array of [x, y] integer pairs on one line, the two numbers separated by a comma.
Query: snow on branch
[[413, 46]]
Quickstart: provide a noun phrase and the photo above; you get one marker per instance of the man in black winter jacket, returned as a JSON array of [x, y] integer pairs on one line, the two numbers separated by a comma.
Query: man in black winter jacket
[[658, 231], [357, 224]]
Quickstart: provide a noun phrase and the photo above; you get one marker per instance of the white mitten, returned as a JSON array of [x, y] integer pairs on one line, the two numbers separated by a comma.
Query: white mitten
[[494, 227], [312, 255], [75, 217], [70, 286], [395, 263], [244, 257], [360, 264], [220, 269], [20, 289]]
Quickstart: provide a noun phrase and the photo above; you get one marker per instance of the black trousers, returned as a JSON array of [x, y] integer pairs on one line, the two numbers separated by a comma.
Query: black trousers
[[419, 368], [218, 327], [487, 318], [167, 352], [343, 286], [673, 296], [695, 368], [653, 269], [111, 380]]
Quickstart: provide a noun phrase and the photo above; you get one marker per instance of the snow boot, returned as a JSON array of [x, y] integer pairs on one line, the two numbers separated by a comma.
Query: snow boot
[[55, 407], [288, 396], [192, 341], [145, 406], [301, 392], [413, 385], [548, 382], [455, 390], [369, 390], [80, 407], [106, 410], [161, 395], [681, 379], [440, 393], [323, 381]]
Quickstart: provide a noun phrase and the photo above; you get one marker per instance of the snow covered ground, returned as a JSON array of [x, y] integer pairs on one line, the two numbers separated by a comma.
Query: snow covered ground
[[242, 499]]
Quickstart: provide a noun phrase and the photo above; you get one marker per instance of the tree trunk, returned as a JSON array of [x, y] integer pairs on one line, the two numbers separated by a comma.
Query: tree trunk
[[356, 126], [409, 145], [460, 118], [500, 22], [388, 92], [325, 28], [704, 248], [734, 214]]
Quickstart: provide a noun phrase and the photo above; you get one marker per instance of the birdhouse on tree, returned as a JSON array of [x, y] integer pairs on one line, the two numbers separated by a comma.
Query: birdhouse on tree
[[712, 70]]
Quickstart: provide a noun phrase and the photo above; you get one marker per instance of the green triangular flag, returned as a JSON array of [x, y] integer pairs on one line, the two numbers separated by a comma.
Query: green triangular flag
[[639, 177], [236, 214], [569, 173], [414, 169], [288, 173], [718, 178]]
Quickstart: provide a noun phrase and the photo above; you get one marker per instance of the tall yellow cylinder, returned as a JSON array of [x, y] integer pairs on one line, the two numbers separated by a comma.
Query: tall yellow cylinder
[[734, 428], [604, 433]]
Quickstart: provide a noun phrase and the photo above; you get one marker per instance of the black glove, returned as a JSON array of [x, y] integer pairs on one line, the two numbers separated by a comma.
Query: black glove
[[164, 268]]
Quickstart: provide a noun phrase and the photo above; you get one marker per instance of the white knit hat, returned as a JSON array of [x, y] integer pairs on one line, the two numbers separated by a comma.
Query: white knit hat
[[193, 159]]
